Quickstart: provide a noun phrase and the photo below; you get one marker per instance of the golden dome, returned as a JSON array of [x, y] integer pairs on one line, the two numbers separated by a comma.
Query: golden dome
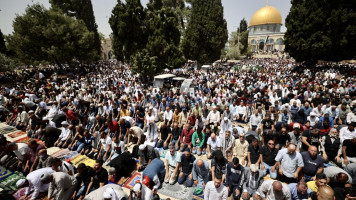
[[266, 15]]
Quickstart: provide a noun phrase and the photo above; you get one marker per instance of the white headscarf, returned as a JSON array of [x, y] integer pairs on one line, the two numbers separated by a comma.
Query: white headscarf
[[111, 194]]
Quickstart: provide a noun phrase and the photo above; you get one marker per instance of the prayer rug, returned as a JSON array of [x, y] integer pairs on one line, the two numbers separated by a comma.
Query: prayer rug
[[176, 191], [129, 184], [52, 150], [9, 183], [21, 192], [7, 129], [162, 152], [123, 181], [198, 197], [60, 153], [4, 173], [71, 155], [83, 159], [16, 134], [23, 140]]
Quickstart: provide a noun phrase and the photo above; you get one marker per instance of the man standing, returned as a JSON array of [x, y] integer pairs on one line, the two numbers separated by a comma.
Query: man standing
[[253, 155], [61, 185], [234, 174], [187, 160], [172, 164], [215, 189], [273, 190], [289, 163]]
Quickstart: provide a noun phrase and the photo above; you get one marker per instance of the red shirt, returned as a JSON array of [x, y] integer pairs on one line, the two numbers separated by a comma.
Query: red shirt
[[187, 136], [69, 114], [113, 126], [192, 120]]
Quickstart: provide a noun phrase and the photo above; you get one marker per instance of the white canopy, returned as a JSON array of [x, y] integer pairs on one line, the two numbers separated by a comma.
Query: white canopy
[[163, 76]]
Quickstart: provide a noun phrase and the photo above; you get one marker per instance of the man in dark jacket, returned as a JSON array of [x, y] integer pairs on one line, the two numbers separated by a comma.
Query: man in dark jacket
[[234, 173]]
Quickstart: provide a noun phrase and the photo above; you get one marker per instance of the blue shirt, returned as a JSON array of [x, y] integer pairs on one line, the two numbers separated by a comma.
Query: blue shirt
[[295, 194]]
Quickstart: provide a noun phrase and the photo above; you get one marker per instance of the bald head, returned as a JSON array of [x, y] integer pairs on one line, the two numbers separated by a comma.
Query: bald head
[[325, 192], [291, 148], [200, 163], [277, 186], [212, 136]]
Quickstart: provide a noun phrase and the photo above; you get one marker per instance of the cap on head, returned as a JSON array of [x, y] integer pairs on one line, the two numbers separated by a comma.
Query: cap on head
[[253, 168], [296, 126], [20, 183], [45, 177]]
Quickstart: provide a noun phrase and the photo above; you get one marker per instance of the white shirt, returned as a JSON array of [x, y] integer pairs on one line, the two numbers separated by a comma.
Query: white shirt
[[346, 134], [64, 133], [241, 110], [214, 144], [213, 193], [35, 183], [168, 115], [22, 149], [106, 142]]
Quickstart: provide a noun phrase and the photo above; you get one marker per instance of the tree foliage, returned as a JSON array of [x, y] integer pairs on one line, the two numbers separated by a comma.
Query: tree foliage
[[127, 22], [48, 35], [243, 34], [2, 44], [148, 38], [80, 9], [206, 32], [321, 30], [6, 63]]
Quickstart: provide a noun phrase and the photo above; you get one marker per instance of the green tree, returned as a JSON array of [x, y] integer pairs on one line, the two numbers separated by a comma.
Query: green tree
[[163, 39], [48, 35], [129, 29], [206, 32], [6, 63], [243, 36], [182, 11], [80, 9], [2, 44], [321, 30]]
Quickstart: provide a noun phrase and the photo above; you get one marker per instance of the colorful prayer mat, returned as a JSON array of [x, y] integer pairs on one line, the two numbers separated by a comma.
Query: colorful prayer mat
[[60, 153], [23, 140], [123, 181], [198, 197], [16, 134], [4, 173], [71, 155], [9, 183], [21, 192], [132, 181]]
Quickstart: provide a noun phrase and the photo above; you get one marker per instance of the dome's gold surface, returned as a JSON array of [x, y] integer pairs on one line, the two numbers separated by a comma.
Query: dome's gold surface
[[266, 15]]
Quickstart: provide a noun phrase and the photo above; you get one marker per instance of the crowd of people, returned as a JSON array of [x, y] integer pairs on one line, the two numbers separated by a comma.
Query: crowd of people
[[281, 131]]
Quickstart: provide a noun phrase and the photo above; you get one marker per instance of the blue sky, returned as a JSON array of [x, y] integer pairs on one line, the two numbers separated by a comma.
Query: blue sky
[[234, 11]]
